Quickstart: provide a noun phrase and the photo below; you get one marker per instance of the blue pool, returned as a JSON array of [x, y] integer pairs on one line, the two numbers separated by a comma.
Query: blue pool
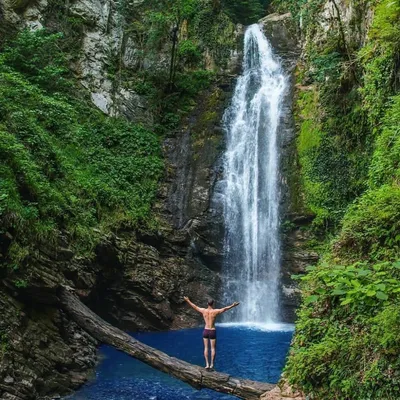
[[256, 353]]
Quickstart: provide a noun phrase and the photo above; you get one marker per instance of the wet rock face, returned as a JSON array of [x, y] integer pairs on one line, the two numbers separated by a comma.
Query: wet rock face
[[282, 33], [194, 159], [145, 287], [296, 257]]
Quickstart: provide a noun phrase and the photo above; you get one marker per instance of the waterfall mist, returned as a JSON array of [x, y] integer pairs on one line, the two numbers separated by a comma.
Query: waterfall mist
[[251, 188]]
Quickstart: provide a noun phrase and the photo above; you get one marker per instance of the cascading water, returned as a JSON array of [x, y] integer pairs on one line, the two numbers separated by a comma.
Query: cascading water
[[251, 189]]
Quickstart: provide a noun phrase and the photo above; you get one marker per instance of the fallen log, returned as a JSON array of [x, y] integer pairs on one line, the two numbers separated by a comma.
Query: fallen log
[[194, 375]]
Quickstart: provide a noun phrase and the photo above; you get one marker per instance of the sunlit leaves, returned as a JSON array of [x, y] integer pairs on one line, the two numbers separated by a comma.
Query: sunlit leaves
[[363, 286]]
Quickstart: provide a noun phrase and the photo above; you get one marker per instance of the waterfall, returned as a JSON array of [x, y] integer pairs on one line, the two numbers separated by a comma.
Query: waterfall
[[251, 187]]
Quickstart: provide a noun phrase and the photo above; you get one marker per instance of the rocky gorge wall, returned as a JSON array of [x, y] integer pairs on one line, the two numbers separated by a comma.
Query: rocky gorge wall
[[136, 280]]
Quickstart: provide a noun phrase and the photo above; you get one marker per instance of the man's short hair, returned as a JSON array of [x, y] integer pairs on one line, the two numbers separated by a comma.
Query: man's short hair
[[210, 302]]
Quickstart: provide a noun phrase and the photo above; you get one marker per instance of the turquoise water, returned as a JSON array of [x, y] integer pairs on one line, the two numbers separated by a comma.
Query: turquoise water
[[256, 353]]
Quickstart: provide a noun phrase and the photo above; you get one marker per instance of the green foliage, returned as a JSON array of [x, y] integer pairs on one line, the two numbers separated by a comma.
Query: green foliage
[[20, 283], [216, 33], [358, 285], [308, 144], [65, 166], [189, 53], [347, 333], [346, 341], [371, 227], [191, 84], [385, 166], [38, 57], [306, 10], [379, 59], [332, 175], [178, 103], [245, 12], [326, 66]]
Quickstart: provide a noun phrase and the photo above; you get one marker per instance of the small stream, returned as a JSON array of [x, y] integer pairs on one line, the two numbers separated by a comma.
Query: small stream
[[253, 352]]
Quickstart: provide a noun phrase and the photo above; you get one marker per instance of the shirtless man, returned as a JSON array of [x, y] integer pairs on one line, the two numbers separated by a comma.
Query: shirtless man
[[210, 334]]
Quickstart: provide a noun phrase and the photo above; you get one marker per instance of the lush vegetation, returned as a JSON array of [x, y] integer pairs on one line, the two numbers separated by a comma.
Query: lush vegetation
[[182, 45], [66, 168], [69, 171], [348, 108], [346, 342], [347, 113], [245, 11]]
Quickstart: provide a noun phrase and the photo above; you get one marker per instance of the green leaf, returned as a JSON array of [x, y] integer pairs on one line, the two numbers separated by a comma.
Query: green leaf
[[371, 293], [347, 300], [363, 272], [396, 264], [338, 292], [355, 283], [381, 286], [310, 268], [382, 296], [311, 299]]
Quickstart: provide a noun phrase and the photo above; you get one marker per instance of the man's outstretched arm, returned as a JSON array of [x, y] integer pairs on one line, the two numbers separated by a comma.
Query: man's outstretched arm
[[222, 310], [200, 310]]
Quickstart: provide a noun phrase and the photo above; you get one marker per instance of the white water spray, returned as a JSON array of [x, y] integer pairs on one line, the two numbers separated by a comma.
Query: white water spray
[[251, 191]]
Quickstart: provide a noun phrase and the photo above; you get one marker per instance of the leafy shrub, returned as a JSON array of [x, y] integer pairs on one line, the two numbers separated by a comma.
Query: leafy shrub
[[189, 53], [385, 164], [345, 345], [371, 226], [38, 57], [66, 166]]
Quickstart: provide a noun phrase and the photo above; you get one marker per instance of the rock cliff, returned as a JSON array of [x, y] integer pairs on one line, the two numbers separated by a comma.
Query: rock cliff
[[136, 280]]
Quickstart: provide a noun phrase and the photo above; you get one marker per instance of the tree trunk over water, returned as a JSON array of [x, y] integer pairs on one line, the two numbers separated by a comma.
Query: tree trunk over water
[[194, 375]]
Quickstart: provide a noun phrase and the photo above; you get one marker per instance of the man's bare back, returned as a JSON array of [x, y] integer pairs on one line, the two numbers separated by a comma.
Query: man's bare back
[[210, 315]]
